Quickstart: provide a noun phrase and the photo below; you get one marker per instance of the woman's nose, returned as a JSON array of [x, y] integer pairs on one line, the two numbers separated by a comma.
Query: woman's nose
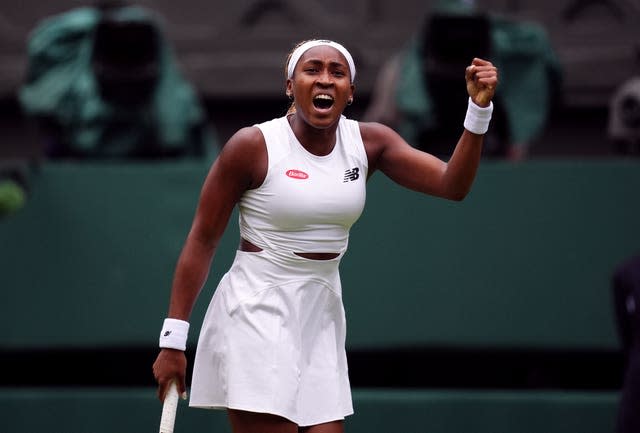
[[325, 77]]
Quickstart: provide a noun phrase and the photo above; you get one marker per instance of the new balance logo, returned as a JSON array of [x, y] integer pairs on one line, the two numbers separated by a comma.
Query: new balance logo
[[351, 174]]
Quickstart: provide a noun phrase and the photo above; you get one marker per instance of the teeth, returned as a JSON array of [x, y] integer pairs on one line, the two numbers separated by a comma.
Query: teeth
[[325, 97]]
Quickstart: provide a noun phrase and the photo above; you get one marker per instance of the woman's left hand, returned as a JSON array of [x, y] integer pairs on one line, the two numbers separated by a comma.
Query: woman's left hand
[[482, 79]]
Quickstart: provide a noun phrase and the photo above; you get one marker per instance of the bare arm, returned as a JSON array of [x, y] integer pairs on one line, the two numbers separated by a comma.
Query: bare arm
[[423, 172], [240, 166], [230, 176]]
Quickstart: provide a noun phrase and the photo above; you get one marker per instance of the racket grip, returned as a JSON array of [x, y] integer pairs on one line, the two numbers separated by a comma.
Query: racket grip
[[169, 409]]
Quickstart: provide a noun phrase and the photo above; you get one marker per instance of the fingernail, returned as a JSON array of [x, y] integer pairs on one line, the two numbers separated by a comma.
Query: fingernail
[[184, 395]]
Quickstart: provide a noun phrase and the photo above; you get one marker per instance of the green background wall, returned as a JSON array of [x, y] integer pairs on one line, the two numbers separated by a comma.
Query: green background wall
[[525, 260]]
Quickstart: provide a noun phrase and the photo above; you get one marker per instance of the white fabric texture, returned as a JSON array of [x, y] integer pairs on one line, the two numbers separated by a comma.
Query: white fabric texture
[[307, 203], [478, 118], [174, 334], [273, 338]]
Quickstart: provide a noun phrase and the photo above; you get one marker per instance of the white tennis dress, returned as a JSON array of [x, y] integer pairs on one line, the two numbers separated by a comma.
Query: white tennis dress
[[273, 338]]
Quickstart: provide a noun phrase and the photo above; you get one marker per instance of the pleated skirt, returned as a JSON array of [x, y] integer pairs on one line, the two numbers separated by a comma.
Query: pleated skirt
[[273, 340]]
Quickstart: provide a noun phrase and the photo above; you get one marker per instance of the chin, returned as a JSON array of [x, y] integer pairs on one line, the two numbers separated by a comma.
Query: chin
[[326, 118]]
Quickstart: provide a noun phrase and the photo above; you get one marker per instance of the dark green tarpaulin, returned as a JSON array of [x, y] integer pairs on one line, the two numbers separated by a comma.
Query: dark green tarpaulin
[[529, 71], [61, 87]]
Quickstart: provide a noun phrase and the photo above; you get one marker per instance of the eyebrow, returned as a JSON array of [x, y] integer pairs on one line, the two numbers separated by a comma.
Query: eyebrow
[[331, 63]]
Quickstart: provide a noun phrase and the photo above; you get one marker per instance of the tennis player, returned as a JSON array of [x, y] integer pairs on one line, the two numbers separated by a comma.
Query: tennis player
[[271, 350]]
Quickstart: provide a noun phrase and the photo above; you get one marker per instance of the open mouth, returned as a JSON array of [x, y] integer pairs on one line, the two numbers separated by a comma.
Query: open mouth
[[323, 102]]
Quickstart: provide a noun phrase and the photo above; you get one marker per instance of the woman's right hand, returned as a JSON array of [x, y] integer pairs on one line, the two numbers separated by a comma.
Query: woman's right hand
[[170, 365]]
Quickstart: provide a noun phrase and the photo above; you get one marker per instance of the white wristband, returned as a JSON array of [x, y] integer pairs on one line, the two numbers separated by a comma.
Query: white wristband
[[174, 334], [477, 118]]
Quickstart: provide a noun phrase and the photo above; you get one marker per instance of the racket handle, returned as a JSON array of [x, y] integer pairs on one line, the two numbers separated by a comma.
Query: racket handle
[[169, 409]]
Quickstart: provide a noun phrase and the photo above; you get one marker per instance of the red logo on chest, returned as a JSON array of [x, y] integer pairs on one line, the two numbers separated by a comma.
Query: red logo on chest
[[297, 174]]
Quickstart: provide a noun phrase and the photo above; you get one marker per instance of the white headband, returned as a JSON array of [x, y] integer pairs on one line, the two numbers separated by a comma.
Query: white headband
[[298, 52]]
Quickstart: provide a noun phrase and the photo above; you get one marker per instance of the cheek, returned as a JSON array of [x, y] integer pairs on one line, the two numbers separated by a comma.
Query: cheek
[[348, 93]]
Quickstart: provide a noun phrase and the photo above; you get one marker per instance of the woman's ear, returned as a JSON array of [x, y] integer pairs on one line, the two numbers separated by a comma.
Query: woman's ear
[[289, 89]]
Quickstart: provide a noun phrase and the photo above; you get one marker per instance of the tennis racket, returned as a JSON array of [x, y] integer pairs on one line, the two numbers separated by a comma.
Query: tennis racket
[[169, 409]]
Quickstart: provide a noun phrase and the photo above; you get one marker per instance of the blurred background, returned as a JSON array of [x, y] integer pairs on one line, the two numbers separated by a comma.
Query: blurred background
[[513, 311], [234, 55]]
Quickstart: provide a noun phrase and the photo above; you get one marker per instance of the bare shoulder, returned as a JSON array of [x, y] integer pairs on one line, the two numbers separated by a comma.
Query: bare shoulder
[[378, 138], [374, 131], [245, 155], [240, 166], [249, 138]]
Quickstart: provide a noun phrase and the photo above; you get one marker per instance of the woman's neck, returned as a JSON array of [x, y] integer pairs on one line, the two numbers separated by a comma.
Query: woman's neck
[[317, 141]]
